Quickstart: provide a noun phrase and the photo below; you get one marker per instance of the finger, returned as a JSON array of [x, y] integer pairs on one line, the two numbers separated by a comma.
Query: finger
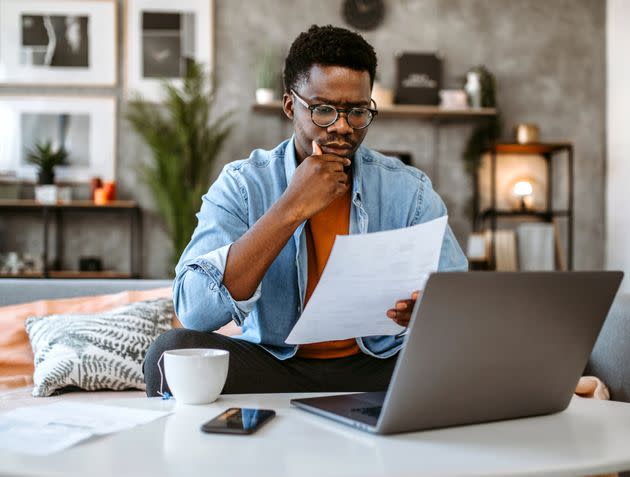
[[332, 158], [403, 305], [341, 189], [332, 166], [400, 317], [404, 322], [317, 150], [416, 294], [341, 177]]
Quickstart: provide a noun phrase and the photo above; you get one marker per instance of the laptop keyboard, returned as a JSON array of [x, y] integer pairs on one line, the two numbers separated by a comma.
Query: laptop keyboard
[[373, 411]]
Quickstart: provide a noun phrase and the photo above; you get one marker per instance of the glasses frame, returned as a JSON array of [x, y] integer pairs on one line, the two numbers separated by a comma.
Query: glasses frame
[[346, 111]]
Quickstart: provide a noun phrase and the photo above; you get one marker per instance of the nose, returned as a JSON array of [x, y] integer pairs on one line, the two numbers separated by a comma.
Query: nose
[[341, 126]]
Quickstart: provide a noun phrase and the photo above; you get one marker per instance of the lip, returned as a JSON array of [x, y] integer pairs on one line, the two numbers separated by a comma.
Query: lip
[[339, 147]]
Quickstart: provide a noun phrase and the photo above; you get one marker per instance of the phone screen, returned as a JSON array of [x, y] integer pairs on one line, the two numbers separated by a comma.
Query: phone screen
[[238, 420]]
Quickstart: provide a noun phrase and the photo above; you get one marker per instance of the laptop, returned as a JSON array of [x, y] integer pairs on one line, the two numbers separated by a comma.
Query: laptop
[[482, 347]]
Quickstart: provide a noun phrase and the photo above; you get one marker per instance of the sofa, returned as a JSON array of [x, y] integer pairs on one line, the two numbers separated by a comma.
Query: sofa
[[13, 291], [610, 360]]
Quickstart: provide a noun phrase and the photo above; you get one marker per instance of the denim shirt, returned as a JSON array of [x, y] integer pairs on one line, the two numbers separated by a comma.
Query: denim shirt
[[386, 195]]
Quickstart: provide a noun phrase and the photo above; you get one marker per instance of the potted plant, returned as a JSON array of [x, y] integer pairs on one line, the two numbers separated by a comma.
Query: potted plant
[[185, 145], [46, 158], [266, 78], [487, 133]]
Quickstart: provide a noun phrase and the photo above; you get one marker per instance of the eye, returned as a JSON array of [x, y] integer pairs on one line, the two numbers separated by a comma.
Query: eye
[[325, 109], [360, 112]]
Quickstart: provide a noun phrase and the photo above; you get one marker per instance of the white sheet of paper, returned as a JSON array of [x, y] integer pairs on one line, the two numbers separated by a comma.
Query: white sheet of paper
[[364, 277], [46, 429]]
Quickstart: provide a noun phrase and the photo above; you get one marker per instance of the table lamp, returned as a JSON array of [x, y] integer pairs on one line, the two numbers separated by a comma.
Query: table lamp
[[523, 190]]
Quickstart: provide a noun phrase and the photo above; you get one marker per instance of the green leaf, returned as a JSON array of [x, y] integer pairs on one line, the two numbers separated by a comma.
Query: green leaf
[[45, 157], [184, 145]]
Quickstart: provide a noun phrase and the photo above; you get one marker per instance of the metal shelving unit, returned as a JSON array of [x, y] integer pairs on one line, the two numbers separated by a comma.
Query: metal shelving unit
[[57, 213], [548, 151]]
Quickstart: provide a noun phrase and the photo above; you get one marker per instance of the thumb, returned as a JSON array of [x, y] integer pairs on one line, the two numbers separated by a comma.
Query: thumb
[[317, 150]]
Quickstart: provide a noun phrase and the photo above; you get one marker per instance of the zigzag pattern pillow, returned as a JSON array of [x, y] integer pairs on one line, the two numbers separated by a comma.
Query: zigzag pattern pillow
[[96, 351]]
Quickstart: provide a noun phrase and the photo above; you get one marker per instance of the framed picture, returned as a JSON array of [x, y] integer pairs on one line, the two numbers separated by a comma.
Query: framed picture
[[84, 126], [58, 43], [162, 38]]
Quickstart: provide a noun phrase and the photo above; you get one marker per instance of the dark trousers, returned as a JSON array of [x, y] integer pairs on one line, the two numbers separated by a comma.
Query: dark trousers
[[254, 370]]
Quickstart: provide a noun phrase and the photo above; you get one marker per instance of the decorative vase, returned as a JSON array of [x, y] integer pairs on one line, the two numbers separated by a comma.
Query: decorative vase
[[526, 133], [264, 95], [46, 194], [473, 89]]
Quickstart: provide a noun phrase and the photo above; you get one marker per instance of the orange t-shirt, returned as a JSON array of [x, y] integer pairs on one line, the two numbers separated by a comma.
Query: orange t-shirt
[[321, 231]]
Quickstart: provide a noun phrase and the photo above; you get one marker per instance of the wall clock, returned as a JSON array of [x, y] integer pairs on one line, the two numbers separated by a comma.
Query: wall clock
[[363, 14]]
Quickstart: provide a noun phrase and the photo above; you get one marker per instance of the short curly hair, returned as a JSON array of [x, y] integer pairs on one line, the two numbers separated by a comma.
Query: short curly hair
[[329, 46]]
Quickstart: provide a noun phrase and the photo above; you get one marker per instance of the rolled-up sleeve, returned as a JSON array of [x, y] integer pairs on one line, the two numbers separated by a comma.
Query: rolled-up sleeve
[[431, 206], [201, 300]]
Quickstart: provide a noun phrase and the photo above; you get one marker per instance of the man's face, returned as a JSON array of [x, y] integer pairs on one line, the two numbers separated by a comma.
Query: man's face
[[336, 86]]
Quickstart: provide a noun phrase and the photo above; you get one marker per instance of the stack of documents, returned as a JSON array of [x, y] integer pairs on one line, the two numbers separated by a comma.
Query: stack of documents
[[46, 429], [364, 277]]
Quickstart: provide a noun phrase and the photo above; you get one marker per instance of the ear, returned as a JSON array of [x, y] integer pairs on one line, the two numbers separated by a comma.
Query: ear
[[287, 105]]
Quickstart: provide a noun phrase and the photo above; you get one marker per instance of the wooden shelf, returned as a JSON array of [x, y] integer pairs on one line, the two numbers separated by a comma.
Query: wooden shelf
[[534, 148], [525, 213], [68, 274], [404, 110], [22, 275]]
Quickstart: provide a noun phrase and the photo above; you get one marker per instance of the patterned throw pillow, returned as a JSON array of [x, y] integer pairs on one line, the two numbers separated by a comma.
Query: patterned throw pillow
[[96, 351]]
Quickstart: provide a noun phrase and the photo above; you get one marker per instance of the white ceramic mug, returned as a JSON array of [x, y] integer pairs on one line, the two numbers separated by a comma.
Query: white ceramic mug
[[196, 375]]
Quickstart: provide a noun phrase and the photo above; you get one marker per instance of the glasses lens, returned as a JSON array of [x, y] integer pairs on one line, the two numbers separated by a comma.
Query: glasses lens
[[359, 118], [324, 115]]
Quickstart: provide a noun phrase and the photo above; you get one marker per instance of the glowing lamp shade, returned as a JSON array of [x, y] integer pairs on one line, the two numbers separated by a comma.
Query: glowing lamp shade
[[523, 189]]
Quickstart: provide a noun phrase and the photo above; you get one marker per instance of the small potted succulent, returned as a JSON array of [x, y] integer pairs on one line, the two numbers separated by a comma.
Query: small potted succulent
[[46, 158]]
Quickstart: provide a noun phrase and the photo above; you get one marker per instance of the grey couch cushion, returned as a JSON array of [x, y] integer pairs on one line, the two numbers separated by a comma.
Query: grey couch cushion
[[13, 291], [96, 351], [610, 360]]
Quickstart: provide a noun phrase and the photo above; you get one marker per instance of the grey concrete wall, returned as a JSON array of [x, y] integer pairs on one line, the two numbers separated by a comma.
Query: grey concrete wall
[[548, 58]]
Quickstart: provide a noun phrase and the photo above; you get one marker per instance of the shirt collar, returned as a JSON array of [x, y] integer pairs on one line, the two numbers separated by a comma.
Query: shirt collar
[[290, 160]]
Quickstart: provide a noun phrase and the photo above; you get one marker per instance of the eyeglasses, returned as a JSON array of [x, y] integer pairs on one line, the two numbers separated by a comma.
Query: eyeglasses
[[324, 115]]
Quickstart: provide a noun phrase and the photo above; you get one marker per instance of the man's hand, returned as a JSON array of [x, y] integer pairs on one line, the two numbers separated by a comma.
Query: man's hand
[[317, 181], [401, 313]]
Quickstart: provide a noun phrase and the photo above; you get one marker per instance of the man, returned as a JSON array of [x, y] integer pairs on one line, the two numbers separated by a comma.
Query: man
[[267, 225]]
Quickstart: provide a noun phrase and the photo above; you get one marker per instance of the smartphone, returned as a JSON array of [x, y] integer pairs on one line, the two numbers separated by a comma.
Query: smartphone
[[238, 420]]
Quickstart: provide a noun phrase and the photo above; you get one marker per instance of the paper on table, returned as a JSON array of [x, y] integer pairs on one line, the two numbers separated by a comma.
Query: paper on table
[[365, 275], [46, 429]]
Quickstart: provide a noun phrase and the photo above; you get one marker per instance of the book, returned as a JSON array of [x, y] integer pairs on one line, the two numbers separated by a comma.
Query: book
[[561, 263], [505, 256], [536, 246], [419, 78]]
